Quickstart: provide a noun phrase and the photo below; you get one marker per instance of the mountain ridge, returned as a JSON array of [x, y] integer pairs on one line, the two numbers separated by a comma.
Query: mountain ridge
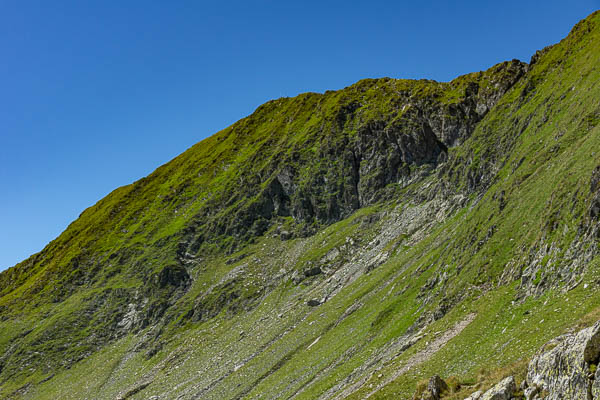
[[310, 198]]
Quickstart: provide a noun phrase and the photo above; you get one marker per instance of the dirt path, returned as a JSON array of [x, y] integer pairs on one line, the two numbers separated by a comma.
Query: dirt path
[[426, 354]]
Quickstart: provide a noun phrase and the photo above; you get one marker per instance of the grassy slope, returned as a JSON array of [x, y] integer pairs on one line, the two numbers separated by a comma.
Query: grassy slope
[[537, 145], [63, 304]]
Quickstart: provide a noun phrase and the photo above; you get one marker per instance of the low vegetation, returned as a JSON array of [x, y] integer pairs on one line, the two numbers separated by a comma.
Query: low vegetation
[[350, 244]]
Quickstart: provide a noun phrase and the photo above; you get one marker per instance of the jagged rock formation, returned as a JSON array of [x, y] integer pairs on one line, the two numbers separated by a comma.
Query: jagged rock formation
[[336, 245], [504, 390], [565, 368]]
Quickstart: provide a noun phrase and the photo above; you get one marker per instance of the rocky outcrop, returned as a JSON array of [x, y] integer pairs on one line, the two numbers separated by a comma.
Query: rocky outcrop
[[596, 384], [357, 154], [475, 396], [171, 276], [504, 390], [564, 368]]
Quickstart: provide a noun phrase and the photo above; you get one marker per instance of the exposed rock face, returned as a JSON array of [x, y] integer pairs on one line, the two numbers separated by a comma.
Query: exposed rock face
[[172, 275], [475, 396], [504, 390], [562, 367], [594, 208], [596, 385], [359, 155]]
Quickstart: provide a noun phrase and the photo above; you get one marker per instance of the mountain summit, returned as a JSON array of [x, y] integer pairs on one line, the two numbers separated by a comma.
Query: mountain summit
[[348, 244]]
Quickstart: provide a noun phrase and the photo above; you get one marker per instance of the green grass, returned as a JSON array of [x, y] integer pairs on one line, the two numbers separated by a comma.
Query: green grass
[[511, 252]]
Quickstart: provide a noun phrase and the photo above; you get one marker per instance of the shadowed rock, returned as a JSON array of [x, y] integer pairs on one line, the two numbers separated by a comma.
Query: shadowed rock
[[435, 387]]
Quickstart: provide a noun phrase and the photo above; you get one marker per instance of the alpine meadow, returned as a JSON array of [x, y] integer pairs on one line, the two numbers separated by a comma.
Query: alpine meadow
[[395, 239]]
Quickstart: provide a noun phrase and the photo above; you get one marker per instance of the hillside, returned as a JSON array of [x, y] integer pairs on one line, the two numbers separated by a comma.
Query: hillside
[[339, 245]]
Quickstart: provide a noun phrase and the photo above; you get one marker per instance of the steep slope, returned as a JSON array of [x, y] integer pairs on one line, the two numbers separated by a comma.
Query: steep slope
[[333, 245], [299, 163]]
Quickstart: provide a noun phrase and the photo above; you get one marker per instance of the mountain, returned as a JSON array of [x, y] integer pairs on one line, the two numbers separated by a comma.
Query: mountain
[[349, 244]]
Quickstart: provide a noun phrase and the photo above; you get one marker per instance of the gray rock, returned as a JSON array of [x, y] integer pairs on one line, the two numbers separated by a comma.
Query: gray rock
[[435, 387], [596, 385], [172, 275], [523, 385], [562, 367], [312, 271], [531, 392], [297, 277], [502, 391], [475, 396]]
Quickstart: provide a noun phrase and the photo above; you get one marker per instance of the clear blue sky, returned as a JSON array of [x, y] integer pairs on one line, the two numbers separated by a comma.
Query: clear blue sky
[[96, 94]]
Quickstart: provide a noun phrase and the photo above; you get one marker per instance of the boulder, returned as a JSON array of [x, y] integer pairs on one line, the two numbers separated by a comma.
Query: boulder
[[296, 278], [475, 396], [313, 302], [563, 368], [502, 391], [435, 387], [312, 271]]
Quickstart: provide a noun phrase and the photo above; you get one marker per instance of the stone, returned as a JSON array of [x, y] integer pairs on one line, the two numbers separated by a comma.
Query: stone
[[531, 392], [435, 387], [595, 180], [313, 271], [503, 390], [596, 384], [562, 367], [594, 208], [297, 278], [475, 396]]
